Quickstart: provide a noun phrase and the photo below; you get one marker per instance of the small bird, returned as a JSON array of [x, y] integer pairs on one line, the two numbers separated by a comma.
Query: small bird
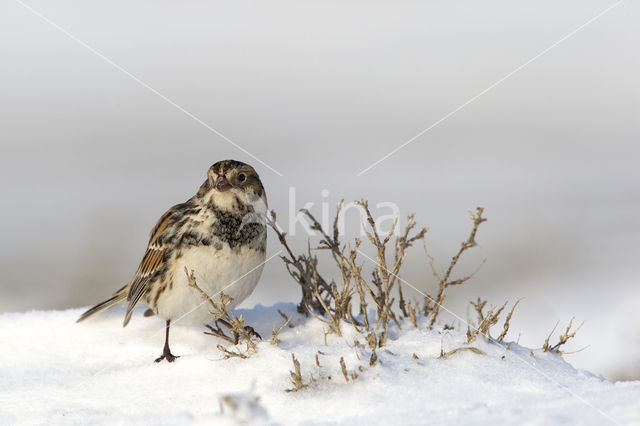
[[217, 234]]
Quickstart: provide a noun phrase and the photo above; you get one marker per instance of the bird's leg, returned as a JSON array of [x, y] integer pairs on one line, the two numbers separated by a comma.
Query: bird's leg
[[166, 352]]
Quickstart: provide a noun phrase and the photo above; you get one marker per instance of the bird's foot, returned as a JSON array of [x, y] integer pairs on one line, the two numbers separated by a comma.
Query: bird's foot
[[167, 355], [236, 337], [251, 332]]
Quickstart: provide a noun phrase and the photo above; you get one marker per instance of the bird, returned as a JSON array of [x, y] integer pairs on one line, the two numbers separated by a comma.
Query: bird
[[218, 234]]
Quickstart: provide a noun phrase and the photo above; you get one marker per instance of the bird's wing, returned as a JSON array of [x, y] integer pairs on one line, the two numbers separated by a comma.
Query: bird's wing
[[153, 259]]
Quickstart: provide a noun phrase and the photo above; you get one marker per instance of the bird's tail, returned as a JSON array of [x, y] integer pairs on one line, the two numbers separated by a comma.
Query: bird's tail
[[118, 297]]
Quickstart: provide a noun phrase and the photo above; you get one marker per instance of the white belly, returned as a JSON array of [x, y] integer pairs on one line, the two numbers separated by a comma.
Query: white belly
[[236, 273]]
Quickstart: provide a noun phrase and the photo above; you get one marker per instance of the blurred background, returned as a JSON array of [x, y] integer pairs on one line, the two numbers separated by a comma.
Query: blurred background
[[319, 91]]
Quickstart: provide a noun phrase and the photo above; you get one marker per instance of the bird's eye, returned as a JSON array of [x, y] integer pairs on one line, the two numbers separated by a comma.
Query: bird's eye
[[242, 177]]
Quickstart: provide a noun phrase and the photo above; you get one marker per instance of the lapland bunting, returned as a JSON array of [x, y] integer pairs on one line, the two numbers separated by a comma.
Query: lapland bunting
[[216, 235]]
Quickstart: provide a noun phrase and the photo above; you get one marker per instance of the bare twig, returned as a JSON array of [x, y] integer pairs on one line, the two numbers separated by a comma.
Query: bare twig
[[384, 279], [505, 328], [302, 269], [218, 332], [231, 354], [445, 280], [402, 244], [463, 349], [485, 322], [296, 376], [343, 367], [372, 340], [564, 338], [274, 335], [412, 315], [545, 345]]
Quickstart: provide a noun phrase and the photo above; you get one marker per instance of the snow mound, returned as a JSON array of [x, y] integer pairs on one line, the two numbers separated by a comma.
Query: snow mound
[[55, 371]]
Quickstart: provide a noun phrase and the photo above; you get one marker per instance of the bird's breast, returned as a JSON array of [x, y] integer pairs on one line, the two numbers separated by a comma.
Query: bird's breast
[[234, 271]]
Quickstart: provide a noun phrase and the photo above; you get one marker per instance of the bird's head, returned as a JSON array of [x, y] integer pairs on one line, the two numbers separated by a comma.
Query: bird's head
[[230, 181]]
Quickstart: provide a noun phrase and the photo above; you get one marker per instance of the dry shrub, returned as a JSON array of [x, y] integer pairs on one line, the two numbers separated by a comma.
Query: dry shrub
[[295, 376], [276, 331], [563, 339], [333, 303], [485, 321]]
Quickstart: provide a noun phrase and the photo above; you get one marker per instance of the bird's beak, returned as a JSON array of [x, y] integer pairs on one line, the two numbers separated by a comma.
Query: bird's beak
[[222, 184]]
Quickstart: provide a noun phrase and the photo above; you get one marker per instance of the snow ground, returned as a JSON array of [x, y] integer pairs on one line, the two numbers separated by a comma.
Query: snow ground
[[55, 371]]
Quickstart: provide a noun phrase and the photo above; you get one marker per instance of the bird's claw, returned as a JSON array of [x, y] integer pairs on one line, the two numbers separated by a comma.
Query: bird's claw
[[251, 332]]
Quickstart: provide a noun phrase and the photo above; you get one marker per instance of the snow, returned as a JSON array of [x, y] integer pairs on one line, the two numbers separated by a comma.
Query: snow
[[55, 371]]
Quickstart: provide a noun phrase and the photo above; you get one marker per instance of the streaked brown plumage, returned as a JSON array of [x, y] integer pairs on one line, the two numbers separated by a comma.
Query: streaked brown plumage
[[215, 233]]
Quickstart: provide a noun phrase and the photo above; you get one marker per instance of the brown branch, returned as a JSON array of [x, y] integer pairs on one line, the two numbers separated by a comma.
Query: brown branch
[[545, 345], [444, 280], [276, 332], [505, 328], [485, 322], [301, 268], [296, 376], [412, 315], [563, 339], [383, 278], [463, 349], [343, 367]]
